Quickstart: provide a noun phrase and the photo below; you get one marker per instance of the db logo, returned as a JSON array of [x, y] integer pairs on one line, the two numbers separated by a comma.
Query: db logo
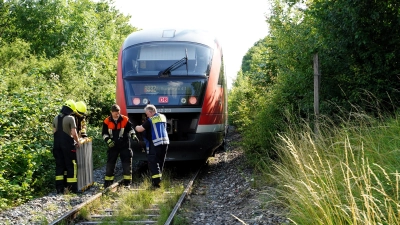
[[163, 99]]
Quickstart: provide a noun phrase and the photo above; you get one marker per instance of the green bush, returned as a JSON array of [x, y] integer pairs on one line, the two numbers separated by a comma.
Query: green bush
[[51, 52], [33, 96], [26, 134]]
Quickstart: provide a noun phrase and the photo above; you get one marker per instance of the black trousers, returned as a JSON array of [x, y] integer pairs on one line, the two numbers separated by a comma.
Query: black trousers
[[65, 157], [125, 155], [156, 160]]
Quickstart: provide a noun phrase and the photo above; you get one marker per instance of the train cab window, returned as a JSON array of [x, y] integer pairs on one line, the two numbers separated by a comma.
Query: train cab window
[[152, 58], [221, 78]]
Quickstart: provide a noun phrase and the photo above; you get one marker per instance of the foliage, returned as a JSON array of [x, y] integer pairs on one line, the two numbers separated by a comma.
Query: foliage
[[239, 96], [356, 45], [52, 51], [99, 149], [26, 136], [359, 49], [342, 170], [260, 65], [347, 174], [82, 38]]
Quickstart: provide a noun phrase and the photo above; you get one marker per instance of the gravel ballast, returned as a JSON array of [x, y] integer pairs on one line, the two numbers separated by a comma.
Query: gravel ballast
[[48, 208], [225, 194]]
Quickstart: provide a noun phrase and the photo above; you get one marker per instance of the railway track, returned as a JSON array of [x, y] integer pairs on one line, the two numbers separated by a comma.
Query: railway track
[[138, 204]]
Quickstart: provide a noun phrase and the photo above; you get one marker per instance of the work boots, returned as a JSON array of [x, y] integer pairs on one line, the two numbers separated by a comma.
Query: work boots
[[156, 183], [127, 183], [108, 183]]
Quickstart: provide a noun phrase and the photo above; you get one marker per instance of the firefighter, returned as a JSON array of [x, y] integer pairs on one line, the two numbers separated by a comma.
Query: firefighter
[[157, 136], [80, 118], [117, 130], [64, 147]]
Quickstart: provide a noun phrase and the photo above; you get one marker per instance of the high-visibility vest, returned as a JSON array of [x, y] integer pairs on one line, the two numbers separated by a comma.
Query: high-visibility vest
[[159, 133]]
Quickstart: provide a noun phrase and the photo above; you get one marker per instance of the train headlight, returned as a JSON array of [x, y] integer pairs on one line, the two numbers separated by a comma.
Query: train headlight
[[192, 100], [145, 101], [136, 101], [183, 100]]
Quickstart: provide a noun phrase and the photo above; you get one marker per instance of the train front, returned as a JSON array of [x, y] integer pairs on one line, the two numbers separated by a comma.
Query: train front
[[173, 71]]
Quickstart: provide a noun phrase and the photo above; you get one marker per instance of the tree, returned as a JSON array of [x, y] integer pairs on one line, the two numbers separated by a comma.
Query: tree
[[360, 51]]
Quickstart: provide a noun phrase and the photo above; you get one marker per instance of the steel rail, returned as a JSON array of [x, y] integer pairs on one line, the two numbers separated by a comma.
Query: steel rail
[[72, 212], [185, 192]]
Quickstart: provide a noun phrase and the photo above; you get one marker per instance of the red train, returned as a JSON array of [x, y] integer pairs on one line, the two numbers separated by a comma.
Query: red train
[[182, 73]]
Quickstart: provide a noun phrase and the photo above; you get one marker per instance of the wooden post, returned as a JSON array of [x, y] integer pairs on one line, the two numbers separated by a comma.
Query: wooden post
[[317, 79]]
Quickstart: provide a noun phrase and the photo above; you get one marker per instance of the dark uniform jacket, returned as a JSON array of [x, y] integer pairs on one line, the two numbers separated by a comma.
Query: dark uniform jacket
[[118, 131]]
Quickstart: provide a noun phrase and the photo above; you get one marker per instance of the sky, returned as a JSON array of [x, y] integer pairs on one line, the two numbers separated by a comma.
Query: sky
[[238, 24]]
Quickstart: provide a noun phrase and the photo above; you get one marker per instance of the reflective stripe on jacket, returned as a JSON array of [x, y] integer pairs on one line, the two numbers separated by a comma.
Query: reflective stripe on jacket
[[159, 132], [113, 127]]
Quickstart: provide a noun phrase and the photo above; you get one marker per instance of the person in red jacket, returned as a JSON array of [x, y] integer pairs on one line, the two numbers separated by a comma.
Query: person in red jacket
[[117, 131]]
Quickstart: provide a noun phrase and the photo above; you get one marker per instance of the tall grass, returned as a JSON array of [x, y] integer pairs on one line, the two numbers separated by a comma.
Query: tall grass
[[347, 174]]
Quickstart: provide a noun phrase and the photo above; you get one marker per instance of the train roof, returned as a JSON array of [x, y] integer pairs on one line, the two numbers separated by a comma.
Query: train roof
[[166, 35]]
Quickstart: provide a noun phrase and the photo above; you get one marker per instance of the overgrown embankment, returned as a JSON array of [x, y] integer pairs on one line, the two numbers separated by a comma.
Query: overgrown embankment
[[345, 174], [50, 52]]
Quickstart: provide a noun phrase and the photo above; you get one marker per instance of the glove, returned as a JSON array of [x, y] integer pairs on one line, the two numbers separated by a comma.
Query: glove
[[133, 136], [110, 143]]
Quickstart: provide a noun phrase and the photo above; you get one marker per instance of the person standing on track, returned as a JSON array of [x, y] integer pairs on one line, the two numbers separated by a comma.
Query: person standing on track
[[116, 132], [79, 115], [157, 135], [64, 148]]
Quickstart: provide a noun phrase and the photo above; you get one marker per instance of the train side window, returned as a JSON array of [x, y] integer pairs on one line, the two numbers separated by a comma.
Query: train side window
[[129, 61], [221, 77], [203, 59], [201, 66], [135, 66]]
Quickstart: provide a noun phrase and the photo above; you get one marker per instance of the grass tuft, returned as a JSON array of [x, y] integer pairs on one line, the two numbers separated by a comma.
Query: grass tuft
[[345, 174]]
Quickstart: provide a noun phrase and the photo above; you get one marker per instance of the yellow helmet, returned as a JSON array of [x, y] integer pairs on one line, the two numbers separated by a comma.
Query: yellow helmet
[[70, 104], [81, 107]]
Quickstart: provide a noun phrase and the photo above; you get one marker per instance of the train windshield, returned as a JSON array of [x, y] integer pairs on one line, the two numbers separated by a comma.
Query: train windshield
[[170, 59]]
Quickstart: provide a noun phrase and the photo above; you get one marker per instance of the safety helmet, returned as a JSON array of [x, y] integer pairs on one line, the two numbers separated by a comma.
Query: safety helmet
[[70, 104], [81, 107]]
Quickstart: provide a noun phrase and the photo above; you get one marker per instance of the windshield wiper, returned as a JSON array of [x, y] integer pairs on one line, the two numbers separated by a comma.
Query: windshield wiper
[[174, 66]]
